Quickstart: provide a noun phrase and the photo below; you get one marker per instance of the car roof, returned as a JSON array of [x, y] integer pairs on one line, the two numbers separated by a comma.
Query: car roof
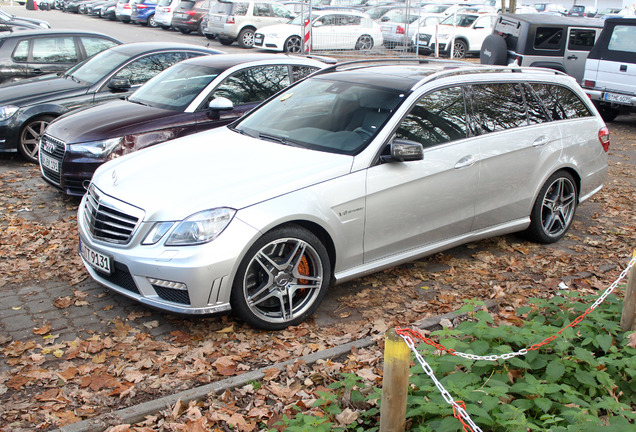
[[226, 61], [148, 47], [555, 19], [52, 32]]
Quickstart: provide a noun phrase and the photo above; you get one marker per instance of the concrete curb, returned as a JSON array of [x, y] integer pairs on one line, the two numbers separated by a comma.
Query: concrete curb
[[139, 412]]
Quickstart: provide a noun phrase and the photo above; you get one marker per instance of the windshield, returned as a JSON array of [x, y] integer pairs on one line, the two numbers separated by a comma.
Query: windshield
[[434, 8], [460, 20], [97, 67], [324, 115], [176, 87]]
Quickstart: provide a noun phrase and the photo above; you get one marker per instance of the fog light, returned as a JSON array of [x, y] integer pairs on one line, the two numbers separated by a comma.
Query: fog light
[[168, 284]]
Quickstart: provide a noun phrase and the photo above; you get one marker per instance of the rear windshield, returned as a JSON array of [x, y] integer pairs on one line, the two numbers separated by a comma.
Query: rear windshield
[[186, 5], [623, 38], [164, 3]]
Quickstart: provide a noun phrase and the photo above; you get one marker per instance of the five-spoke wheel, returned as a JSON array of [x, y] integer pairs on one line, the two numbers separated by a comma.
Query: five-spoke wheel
[[554, 209], [365, 42], [28, 143], [293, 45], [282, 279]]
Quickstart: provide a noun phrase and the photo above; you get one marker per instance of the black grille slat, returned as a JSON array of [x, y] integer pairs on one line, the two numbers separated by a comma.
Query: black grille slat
[[59, 148], [121, 277], [106, 222], [173, 295]]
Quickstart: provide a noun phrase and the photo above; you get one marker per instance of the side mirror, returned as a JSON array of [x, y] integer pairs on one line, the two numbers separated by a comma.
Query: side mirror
[[119, 84], [384, 19], [404, 151], [318, 24], [219, 104]]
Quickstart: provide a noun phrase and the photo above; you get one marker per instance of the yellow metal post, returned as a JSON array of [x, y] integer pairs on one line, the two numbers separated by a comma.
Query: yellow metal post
[[395, 383]]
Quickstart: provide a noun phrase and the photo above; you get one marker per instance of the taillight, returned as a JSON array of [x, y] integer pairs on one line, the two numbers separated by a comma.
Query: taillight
[[589, 83], [166, 10], [399, 30], [230, 20], [126, 6], [141, 6], [604, 138], [191, 13]]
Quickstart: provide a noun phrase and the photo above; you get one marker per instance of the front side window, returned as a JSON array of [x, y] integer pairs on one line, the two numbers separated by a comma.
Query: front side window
[[253, 85], [54, 50], [437, 118], [581, 39], [261, 9], [496, 107], [141, 70], [561, 102], [623, 39], [548, 38], [281, 12], [93, 45]]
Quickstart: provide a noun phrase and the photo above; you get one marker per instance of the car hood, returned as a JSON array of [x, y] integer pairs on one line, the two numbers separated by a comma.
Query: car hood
[[38, 90], [285, 29], [110, 120], [217, 168]]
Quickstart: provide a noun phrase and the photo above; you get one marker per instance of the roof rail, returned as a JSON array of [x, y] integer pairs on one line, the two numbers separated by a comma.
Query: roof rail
[[356, 64]]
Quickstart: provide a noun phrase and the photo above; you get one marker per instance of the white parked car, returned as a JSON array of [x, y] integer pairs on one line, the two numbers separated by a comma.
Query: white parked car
[[468, 34], [330, 30], [401, 31], [357, 168], [164, 11]]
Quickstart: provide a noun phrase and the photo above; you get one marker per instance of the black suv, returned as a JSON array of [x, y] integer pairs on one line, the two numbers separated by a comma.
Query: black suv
[[30, 53], [555, 42]]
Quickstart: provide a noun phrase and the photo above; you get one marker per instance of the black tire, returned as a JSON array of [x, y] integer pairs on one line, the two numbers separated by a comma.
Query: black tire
[[226, 42], [293, 45], [607, 113], [30, 136], [200, 28], [554, 209], [494, 51], [166, 28], [151, 22], [460, 49], [364, 42], [288, 267], [210, 36], [246, 38], [185, 30]]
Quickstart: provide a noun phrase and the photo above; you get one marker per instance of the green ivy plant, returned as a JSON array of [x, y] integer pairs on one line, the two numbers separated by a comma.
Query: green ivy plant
[[584, 380]]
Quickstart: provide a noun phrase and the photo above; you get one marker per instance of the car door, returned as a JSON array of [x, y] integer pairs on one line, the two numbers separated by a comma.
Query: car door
[[246, 88], [518, 144], [479, 31], [580, 42], [410, 205], [52, 54]]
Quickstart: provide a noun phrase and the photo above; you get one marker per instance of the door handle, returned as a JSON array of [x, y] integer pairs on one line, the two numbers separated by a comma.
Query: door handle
[[37, 71], [572, 57], [541, 141], [465, 162], [623, 68]]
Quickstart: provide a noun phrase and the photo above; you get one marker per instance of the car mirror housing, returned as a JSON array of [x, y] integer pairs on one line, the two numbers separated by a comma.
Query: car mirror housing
[[404, 151], [119, 84], [219, 104]]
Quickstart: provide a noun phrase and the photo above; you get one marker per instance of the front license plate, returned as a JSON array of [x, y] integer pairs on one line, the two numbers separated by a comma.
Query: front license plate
[[97, 260], [258, 39], [50, 163], [613, 97]]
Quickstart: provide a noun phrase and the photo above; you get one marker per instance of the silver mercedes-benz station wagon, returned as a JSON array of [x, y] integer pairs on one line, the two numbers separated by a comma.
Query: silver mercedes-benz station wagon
[[354, 169]]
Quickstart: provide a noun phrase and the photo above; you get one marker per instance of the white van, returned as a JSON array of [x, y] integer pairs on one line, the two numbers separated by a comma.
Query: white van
[[610, 69]]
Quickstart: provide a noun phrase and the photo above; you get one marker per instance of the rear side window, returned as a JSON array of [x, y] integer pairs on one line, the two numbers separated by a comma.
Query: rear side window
[[262, 9], [548, 38], [54, 50], [300, 72], [623, 39], [536, 110], [581, 39], [141, 70], [93, 45], [437, 118], [496, 107], [561, 103]]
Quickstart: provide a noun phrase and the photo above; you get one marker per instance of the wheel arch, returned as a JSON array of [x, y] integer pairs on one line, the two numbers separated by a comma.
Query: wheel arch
[[566, 168], [247, 27]]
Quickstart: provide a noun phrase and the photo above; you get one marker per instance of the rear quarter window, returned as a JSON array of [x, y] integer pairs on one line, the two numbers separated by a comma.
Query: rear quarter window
[[561, 102], [623, 39], [581, 39], [548, 38]]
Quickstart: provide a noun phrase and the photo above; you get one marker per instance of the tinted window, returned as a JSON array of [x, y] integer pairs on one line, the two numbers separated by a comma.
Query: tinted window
[[581, 40], [437, 118], [536, 111], [261, 9], [253, 85], [240, 9], [623, 39], [21, 52], [54, 50], [299, 72], [548, 38], [496, 107], [281, 12], [141, 70], [561, 102], [93, 45]]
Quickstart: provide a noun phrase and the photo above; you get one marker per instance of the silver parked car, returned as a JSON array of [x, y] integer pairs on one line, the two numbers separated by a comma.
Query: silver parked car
[[357, 168]]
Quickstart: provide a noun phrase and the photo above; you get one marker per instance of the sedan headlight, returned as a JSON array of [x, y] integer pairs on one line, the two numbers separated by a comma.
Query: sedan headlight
[[201, 227], [7, 111], [100, 148], [271, 35]]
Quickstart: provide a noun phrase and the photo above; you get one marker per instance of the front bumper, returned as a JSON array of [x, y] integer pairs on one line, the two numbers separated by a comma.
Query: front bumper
[[207, 270], [269, 43], [9, 133]]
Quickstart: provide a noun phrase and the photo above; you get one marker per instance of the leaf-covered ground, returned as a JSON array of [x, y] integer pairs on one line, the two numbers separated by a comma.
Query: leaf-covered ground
[[48, 382]]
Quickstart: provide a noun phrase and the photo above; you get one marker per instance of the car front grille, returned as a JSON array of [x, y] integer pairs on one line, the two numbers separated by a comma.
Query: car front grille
[[55, 149], [109, 219], [173, 295]]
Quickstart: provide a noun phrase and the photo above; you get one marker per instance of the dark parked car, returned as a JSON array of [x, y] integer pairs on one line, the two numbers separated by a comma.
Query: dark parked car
[[10, 22], [192, 96], [144, 13], [27, 107], [30, 53], [188, 16], [107, 10]]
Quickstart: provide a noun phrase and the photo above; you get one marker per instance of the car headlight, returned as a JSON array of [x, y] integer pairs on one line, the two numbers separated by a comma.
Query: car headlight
[[443, 36], [201, 227], [100, 148], [7, 111], [156, 232], [272, 35]]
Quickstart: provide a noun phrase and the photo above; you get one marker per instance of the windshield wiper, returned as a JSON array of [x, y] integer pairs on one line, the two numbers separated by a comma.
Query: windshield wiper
[[282, 140], [138, 102], [71, 77]]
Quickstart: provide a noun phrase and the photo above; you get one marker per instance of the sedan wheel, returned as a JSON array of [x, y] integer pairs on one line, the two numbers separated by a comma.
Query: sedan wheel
[[365, 42], [152, 22], [553, 212], [30, 137], [293, 45], [282, 279]]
